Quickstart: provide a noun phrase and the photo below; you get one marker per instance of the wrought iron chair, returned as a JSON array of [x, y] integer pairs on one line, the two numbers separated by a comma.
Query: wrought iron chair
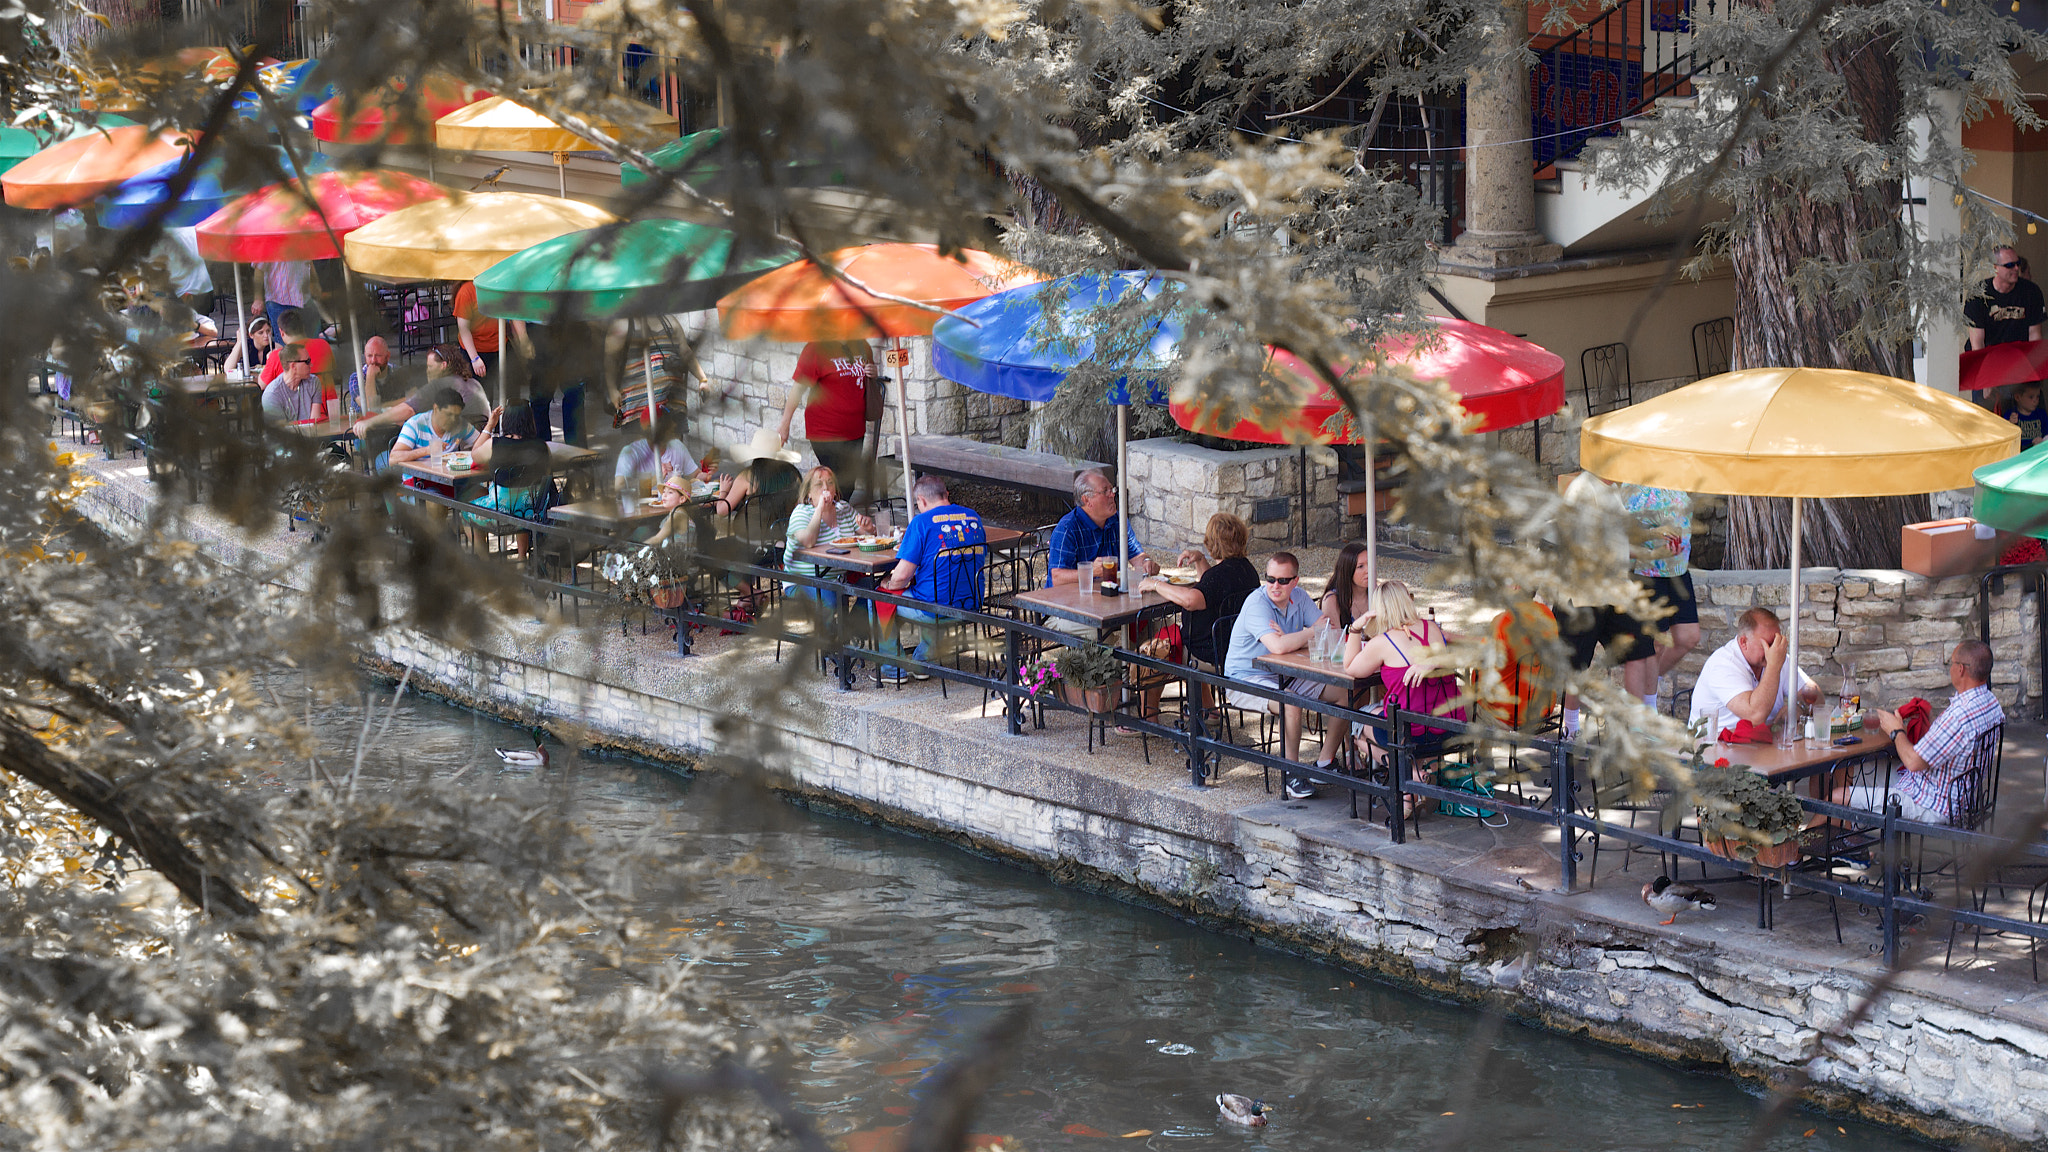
[[1604, 381]]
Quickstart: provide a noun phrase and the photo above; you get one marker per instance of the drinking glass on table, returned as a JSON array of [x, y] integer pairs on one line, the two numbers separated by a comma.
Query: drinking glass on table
[[1105, 567]]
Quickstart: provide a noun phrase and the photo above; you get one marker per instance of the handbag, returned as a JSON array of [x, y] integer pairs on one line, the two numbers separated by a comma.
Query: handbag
[[1461, 778]]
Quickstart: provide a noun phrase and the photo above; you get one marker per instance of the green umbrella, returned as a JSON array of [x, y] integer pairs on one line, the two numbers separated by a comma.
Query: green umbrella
[[18, 144], [646, 268], [701, 160], [2013, 493]]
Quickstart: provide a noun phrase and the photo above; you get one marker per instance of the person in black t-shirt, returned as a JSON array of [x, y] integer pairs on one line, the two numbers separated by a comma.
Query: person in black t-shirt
[[1220, 586], [2011, 309]]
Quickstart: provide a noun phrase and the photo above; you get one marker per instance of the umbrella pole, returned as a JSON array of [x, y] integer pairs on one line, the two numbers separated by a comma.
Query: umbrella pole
[[562, 172], [1372, 504], [647, 370], [1301, 475], [1123, 493], [242, 323], [1792, 654], [355, 334], [903, 428]]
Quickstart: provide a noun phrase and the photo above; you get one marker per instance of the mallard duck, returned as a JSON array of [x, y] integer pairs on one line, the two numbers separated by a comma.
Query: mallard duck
[[1242, 1109], [521, 758], [1672, 899]]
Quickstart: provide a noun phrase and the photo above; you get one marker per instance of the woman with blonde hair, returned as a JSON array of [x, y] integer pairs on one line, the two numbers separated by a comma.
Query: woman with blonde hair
[[1408, 654], [822, 517]]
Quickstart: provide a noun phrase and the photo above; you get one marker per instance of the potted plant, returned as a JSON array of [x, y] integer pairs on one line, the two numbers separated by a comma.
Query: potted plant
[[1088, 676], [1743, 818], [1040, 677]]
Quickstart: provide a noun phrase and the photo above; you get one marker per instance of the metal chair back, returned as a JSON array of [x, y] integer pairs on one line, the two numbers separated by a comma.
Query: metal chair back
[[1973, 794], [1713, 346], [1604, 381]]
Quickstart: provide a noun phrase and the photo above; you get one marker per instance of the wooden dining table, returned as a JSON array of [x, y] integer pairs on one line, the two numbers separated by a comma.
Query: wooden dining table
[[1804, 758], [849, 558], [1101, 610], [613, 515], [1299, 666], [561, 458]]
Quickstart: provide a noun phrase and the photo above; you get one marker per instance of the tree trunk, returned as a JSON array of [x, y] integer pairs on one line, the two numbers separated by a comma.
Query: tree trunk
[[1786, 227]]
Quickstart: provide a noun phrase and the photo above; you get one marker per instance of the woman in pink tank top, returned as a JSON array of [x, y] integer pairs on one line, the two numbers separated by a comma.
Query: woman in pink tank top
[[1405, 638]]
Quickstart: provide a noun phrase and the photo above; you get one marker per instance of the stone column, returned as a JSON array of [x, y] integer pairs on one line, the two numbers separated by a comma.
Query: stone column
[[1500, 185]]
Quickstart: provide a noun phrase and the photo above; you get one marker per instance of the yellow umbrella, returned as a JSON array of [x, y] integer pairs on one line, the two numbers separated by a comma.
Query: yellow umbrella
[[458, 238], [499, 125], [1798, 432], [461, 237]]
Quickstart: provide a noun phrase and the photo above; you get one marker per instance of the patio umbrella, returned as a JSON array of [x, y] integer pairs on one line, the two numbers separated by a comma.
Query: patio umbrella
[[1012, 344], [18, 144], [1779, 432], [2013, 494], [702, 160], [304, 220], [375, 116], [645, 268], [802, 302], [131, 201], [2019, 362], [499, 125], [73, 172], [288, 83], [1501, 381], [462, 237]]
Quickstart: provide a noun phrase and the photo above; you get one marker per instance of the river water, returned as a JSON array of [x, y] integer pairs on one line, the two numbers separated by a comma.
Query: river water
[[897, 948]]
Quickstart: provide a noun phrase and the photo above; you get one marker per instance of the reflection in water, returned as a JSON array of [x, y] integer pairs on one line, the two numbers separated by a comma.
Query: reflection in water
[[898, 949]]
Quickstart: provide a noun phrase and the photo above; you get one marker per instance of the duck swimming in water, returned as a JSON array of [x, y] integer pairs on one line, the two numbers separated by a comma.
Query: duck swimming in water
[[521, 758], [1671, 899], [1242, 1109]]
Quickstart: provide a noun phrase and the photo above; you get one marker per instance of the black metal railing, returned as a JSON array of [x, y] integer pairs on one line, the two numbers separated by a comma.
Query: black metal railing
[[1421, 137], [1616, 65], [1567, 799]]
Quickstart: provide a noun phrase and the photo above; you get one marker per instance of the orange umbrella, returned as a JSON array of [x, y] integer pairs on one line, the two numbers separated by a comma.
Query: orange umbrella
[[803, 302], [375, 115], [71, 173]]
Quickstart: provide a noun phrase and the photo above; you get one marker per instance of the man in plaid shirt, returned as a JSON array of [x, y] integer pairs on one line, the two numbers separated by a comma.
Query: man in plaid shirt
[[1928, 768]]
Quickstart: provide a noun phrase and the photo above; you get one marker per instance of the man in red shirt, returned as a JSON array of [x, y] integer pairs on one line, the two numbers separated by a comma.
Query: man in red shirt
[[834, 379], [289, 331]]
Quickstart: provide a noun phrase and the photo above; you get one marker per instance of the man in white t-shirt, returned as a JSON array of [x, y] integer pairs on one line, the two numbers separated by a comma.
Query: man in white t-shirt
[[1731, 687]]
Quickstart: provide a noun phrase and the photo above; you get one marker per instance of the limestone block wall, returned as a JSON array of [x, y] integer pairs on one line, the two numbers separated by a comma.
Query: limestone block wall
[[1176, 487], [751, 379], [1895, 629]]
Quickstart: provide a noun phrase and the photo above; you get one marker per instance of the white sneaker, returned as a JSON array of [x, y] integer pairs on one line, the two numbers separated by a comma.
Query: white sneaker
[[1300, 790]]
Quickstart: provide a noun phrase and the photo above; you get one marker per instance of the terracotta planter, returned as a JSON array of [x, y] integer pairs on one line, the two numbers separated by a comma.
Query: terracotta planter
[[1767, 855], [1093, 699]]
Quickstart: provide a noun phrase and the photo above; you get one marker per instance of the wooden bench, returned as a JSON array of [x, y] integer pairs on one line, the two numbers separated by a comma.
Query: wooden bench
[[967, 459]]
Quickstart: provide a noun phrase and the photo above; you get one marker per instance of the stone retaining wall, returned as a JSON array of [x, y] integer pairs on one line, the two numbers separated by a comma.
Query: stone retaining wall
[[1945, 1057], [1176, 487], [1894, 629]]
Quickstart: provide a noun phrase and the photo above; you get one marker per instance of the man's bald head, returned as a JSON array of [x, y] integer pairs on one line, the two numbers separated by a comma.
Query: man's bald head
[[377, 351]]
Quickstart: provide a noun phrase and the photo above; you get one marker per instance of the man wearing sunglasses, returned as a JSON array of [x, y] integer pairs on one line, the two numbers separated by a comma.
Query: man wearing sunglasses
[[2010, 309], [1278, 622]]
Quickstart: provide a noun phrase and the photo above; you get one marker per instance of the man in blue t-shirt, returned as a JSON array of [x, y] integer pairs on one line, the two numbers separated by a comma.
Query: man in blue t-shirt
[[1275, 622], [922, 574]]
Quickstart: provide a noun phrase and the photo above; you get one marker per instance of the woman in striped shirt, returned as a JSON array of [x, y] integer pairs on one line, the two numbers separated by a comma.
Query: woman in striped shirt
[[822, 517]]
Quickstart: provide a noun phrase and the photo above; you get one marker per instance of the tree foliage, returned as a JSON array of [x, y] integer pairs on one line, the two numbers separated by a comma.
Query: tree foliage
[[412, 965]]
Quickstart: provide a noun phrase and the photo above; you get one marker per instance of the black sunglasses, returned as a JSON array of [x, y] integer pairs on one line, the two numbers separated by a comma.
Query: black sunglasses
[[1272, 579], [2010, 264]]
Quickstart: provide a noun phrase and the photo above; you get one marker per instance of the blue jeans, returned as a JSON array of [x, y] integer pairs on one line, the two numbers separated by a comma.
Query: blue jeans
[[271, 311], [889, 645], [572, 413], [826, 596]]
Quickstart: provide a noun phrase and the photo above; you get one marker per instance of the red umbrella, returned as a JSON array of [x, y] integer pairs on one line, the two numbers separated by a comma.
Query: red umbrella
[[2019, 362], [277, 223], [1502, 380], [373, 117]]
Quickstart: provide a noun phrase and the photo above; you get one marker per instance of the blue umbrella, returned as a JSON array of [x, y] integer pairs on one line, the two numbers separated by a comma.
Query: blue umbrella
[[287, 82], [132, 200], [1023, 350], [1016, 353]]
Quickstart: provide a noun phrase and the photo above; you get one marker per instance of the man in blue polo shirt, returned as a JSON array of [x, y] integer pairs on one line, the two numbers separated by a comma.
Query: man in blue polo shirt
[[922, 574], [1083, 535]]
